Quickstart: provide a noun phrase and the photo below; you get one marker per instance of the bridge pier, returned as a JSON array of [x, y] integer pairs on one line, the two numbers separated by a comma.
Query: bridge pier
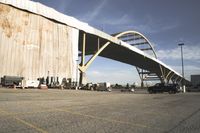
[[82, 64], [83, 79]]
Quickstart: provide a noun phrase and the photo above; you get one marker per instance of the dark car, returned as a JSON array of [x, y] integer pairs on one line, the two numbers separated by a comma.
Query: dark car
[[162, 87]]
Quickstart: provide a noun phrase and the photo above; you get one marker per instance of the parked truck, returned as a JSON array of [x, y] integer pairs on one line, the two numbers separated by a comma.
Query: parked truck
[[162, 87], [105, 86], [88, 86], [10, 81]]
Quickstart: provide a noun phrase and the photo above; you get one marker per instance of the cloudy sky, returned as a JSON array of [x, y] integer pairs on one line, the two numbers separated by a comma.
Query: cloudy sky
[[164, 22]]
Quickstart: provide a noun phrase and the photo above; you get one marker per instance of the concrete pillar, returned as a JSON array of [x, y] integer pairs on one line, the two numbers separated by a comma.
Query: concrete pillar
[[142, 84], [83, 79], [184, 89], [82, 74]]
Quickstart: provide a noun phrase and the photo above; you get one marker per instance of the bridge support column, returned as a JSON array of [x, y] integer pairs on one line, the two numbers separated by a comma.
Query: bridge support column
[[171, 78], [142, 80], [167, 77], [142, 84], [84, 66], [82, 79]]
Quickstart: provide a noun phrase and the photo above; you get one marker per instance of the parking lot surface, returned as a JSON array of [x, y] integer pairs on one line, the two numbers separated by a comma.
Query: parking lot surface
[[76, 111]]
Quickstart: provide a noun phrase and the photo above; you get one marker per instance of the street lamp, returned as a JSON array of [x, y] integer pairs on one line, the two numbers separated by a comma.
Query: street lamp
[[77, 84], [182, 82]]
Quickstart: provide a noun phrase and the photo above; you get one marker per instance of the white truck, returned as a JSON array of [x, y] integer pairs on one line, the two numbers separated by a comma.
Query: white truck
[[30, 83], [105, 86]]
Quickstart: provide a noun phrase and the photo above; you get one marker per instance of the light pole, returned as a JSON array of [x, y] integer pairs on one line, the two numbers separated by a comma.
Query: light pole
[[77, 84], [182, 82]]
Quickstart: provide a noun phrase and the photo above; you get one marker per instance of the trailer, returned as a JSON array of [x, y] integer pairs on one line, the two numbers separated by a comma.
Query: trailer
[[10, 81]]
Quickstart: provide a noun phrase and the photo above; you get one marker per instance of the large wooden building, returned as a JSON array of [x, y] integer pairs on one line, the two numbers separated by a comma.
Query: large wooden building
[[33, 46]]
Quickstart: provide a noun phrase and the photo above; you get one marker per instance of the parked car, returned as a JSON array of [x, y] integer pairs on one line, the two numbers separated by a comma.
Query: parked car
[[162, 87], [128, 89], [88, 86], [193, 88]]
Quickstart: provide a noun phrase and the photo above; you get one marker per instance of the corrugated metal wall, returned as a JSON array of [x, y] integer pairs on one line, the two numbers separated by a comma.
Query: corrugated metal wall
[[31, 45]]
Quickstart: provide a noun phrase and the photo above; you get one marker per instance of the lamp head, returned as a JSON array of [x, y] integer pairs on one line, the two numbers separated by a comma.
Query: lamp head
[[180, 44]]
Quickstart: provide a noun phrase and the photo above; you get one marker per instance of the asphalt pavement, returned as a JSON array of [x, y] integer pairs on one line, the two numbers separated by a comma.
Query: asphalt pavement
[[77, 111]]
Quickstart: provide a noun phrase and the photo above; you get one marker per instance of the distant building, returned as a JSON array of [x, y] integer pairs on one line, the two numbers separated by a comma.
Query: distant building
[[195, 79]]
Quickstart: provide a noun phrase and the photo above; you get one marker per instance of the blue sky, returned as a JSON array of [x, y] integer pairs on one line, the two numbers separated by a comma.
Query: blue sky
[[164, 22]]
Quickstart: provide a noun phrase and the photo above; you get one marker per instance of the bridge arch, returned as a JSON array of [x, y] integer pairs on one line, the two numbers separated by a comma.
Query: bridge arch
[[138, 40]]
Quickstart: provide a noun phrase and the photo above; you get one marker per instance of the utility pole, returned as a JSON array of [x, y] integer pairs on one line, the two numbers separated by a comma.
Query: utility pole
[[77, 83], [182, 81]]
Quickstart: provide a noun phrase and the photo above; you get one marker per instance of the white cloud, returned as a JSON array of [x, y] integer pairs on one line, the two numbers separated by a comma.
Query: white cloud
[[91, 15], [188, 70], [113, 75], [190, 53], [158, 25], [95, 73], [150, 25], [154, 28], [63, 4], [169, 26], [125, 19]]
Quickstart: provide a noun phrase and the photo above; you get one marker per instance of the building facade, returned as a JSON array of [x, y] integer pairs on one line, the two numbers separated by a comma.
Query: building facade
[[195, 79], [33, 46]]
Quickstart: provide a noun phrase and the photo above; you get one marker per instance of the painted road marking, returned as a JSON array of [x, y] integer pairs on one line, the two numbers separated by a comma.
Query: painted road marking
[[30, 125], [105, 119], [23, 121], [109, 120], [73, 113], [33, 112]]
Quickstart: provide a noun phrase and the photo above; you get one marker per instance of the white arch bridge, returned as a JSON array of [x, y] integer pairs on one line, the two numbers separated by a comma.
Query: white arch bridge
[[133, 49]]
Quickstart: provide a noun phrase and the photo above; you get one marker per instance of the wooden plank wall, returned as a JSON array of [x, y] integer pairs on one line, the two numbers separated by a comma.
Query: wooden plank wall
[[31, 45]]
